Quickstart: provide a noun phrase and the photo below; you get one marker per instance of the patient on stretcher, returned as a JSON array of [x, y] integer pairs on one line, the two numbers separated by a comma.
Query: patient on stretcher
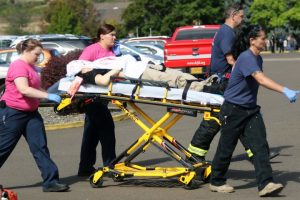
[[100, 72]]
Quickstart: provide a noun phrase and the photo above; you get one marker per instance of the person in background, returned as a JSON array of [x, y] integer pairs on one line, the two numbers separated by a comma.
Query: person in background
[[273, 42], [19, 114], [240, 115], [98, 124], [280, 43]]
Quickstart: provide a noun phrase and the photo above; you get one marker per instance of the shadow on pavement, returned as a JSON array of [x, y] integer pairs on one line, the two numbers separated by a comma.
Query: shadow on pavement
[[242, 157]]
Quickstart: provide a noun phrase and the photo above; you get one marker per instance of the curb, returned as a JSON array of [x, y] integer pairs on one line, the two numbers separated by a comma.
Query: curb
[[277, 52], [52, 127]]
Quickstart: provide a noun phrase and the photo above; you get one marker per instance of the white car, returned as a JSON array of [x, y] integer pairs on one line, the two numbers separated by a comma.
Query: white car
[[153, 40], [63, 43], [139, 55], [148, 48], [6, 40]]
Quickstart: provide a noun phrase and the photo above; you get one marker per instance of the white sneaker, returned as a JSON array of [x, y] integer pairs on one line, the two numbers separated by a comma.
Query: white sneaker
[[223, 188], [270, 188]]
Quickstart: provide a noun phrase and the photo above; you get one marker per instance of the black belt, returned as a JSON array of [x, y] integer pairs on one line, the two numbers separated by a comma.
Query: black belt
[[2, 104]]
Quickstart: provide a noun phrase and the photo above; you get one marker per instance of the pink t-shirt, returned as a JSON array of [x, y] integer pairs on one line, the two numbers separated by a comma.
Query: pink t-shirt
[[12, 96], [94, 52]]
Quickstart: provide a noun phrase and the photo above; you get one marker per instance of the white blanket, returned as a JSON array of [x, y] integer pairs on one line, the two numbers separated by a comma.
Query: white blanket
[[131, 68]]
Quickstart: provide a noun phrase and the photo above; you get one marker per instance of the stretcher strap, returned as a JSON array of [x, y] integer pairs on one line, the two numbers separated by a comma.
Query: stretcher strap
[[186, 88], [137, 85]]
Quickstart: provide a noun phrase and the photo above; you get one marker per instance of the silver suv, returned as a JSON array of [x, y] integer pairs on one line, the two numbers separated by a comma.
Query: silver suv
[[6, 40], [63, 43]]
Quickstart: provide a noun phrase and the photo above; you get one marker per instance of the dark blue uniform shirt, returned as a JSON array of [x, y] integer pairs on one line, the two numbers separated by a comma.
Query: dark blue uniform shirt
[[242, 88], [222, 45]]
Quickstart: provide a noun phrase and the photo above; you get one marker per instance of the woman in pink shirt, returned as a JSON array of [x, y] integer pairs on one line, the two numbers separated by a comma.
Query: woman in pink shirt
[[19, 114], [99, 125]]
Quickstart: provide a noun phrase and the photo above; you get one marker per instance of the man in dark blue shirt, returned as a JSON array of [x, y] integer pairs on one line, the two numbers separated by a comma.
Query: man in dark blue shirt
[[222, 60], [221, 57]]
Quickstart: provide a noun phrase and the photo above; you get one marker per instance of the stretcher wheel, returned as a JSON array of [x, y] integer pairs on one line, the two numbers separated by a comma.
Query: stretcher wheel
[[191, 185], [204, 174], [117, 177], [206, 179], [96, 184]]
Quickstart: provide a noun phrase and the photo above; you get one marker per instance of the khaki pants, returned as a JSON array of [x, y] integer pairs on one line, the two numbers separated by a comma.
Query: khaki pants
[[174, 78]]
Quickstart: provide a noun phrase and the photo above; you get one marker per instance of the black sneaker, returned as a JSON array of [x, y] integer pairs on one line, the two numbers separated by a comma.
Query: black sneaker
[[56, 187]]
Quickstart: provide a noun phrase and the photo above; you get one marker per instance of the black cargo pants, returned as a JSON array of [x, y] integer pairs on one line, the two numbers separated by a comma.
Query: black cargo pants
[[237, 121]]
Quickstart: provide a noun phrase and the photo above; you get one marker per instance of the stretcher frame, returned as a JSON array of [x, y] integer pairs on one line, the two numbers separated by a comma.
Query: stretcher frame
[[192, 169]]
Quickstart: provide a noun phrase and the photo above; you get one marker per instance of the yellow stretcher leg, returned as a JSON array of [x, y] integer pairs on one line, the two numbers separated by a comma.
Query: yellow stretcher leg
[[157, 135]]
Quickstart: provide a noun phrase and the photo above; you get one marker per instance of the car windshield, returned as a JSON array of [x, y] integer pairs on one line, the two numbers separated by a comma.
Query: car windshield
[[134, 49], [195, 34], [5, 43], [78, 43]]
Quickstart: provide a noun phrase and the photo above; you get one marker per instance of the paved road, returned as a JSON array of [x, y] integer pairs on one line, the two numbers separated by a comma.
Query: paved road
[[282, 120]]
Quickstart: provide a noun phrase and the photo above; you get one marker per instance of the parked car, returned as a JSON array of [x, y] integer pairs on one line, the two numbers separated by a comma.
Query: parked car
[[9, 55], [154, 40], [139, 55], [6, 40], [148, 48], [63, 43]]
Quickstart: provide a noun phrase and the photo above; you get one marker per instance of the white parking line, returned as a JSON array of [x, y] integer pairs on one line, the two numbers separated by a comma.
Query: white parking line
[[281, 59]]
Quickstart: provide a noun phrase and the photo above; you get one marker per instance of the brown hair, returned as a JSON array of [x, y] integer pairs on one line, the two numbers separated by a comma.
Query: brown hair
[[232, 9], [28, 45], [104, 29]]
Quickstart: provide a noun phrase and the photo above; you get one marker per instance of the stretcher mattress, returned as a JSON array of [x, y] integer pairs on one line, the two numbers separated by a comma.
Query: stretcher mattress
[[126, 89]]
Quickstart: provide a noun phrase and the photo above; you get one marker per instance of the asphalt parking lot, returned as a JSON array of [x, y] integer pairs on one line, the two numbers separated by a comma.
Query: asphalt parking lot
[[282, 121]]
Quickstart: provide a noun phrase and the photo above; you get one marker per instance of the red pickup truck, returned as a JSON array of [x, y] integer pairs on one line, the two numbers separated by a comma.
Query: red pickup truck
[[189, 48]]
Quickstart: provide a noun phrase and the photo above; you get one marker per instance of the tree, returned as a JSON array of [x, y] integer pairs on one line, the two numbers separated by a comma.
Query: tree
[[189, 12], [75, 17], [292, 15], [276, 14], [18, 18], [268, 13], [279, 17], [162, 17]]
